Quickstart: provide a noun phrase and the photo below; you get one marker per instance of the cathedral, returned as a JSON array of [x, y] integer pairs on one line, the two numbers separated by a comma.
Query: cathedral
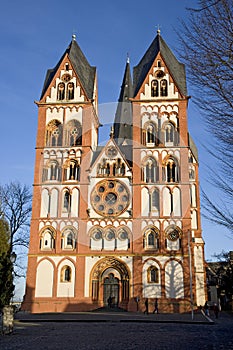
[[115, 225]]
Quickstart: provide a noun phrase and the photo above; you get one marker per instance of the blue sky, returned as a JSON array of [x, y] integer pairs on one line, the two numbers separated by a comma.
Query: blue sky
[[34, 35]]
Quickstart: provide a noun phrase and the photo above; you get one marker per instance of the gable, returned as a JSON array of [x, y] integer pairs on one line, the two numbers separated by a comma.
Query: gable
[[175, 68], [109, 159], [158, 82], [85, 73], [65, 85]]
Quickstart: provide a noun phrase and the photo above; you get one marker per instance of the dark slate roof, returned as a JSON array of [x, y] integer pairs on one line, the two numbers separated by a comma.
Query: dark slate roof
[[85, 72], [176, 68], [123, 116], [193, 147], [96, 154]]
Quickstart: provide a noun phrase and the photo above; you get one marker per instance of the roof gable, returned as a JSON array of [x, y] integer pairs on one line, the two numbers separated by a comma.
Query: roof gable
[[85, 72], [103, 154], [176, 69]]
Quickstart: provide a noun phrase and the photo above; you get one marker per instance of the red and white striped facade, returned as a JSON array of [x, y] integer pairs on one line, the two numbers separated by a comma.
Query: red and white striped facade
[[106, 223]]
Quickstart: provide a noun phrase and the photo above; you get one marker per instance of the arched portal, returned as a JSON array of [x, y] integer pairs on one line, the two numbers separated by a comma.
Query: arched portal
[[110, 282]]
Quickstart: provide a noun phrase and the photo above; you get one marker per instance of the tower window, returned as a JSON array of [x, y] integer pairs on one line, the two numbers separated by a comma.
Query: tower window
[[61, 91], [70, 91], [67, 201], [163, 87], [154, 88], [73, 133], [171, 171], [54, 134], [150, 171], [155, 201]]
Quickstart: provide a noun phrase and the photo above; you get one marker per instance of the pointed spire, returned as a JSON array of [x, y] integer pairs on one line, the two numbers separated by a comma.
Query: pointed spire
[[127, 60], [73, 37], [123, 116]]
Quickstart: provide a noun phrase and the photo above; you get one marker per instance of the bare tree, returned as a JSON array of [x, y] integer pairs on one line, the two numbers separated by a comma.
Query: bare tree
[[207, 49], [15, 207]]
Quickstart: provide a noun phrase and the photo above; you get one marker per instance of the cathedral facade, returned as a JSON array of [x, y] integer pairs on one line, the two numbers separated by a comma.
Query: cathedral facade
[[120, 223]]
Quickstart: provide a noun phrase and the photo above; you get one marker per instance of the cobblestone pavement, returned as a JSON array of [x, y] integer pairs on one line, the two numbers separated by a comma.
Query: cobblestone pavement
[[117, 332]]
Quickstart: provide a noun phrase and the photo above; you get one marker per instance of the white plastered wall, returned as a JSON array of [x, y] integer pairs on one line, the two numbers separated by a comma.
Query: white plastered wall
[[200, 280], [90, 263]]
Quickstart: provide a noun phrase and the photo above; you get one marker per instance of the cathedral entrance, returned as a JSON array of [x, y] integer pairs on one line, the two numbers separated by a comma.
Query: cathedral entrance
[[111, 291], [110, 283]]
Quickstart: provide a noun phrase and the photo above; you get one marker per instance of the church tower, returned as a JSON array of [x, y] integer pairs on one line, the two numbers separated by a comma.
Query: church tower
[[119, 223]]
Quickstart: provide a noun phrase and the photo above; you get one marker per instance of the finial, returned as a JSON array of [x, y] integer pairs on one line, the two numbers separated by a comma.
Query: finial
[[127, 60], [73, 37], [112, 132], [158, 30]]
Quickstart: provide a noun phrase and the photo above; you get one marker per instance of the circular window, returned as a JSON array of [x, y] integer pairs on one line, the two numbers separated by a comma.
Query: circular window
[[66, 77], [110, 235], [110, 198], [97, 235], [173, 234], [123, 235]]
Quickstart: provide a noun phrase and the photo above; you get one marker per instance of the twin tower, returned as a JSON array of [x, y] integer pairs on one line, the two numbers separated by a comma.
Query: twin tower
[[119, 222]]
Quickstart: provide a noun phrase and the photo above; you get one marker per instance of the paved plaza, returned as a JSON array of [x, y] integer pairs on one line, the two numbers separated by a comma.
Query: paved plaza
[[113, 330]]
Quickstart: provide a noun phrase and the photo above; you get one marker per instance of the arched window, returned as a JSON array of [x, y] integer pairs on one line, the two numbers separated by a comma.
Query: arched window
[[110, 234], [74, 170], [170, 171], [118, 168], [154, 88], [71, 171], [151, 239], [54, 171], [67, 201], [103, 168], [152, 275], [54, 134], [96, 239], [191, 173], [68, 239], [169, 133], [151, 134], [66, 274], [163, 87], [150, 170], [61, 91], [73, 133], [155, 201], [70, 91], [47, 241]]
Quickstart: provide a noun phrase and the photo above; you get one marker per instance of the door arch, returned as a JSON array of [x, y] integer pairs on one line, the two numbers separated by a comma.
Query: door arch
[[110, 275]]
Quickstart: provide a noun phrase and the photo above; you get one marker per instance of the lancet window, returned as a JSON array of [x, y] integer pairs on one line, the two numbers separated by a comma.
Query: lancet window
[[170, 171], [150, 170], [73, 133], [54, 134], [152, 274], [151, 238]]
